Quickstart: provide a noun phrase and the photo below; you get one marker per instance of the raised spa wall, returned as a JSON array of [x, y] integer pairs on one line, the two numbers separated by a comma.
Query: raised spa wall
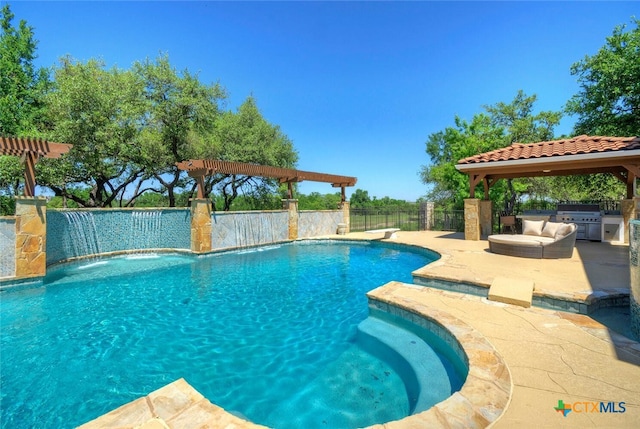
[[37, 237]]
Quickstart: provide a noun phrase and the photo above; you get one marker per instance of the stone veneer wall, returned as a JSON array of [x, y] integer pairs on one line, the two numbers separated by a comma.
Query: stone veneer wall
[[316, 223], [120, 230], [634, 266], [253, 228], [7, 246]]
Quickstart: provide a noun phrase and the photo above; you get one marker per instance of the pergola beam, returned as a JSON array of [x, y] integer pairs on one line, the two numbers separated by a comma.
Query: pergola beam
[[199, 168], [30, 150], [18, 146]]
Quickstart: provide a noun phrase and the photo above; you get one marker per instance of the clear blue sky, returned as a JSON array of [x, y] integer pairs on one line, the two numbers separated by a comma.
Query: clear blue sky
[[357, 86]]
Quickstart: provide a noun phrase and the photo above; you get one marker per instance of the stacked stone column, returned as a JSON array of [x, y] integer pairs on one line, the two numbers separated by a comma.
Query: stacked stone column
[[31, 237], [292, 206], [201, 225], [346, 215], [477, 218]]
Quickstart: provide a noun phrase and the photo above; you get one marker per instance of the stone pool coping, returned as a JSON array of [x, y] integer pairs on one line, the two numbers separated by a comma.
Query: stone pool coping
[[480, 402], [176, 405]]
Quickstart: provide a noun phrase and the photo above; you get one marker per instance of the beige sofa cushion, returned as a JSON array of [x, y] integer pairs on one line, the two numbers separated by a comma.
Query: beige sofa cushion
[[520, 240], [532, 227], [550, 229]]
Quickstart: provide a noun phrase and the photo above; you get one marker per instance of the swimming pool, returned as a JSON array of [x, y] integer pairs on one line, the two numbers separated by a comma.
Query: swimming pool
[[267, 333]]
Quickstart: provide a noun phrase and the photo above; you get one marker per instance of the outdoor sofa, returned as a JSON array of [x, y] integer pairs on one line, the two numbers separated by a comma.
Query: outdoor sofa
[[539, 239]]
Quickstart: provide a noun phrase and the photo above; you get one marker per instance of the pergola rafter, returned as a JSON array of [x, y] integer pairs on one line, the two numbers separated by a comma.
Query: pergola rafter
[[200, 168], [30, 150]]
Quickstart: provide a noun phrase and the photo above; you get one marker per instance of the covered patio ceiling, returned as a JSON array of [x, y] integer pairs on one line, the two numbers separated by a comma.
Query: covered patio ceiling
[[200, 168], [30, 150], [580, 155]]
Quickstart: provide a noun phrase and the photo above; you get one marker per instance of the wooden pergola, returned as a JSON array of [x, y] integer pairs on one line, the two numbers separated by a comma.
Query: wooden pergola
[[30, 150], [580, 155], [200, 168]]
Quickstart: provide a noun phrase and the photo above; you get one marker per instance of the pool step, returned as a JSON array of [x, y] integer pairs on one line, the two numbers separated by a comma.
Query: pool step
[[409, 355], [512, 291]]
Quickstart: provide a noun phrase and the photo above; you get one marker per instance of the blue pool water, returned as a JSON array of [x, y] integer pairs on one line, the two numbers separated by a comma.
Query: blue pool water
[[267, 333]]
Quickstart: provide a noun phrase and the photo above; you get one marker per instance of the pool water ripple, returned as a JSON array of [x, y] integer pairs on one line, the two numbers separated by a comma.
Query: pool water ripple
[[268, 334]]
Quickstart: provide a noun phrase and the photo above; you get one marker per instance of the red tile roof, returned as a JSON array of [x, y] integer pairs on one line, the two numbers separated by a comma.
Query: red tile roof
[[573, 146]]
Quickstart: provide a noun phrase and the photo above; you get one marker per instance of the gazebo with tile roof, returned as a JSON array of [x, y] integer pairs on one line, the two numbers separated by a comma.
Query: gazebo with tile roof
[[619, 156]]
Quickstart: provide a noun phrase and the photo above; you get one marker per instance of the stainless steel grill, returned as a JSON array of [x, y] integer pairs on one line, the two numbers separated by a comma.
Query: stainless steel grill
[[587, 217]]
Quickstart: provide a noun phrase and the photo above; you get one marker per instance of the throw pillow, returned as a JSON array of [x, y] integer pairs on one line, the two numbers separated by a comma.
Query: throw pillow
[[563, 230], [550, 229], [532, 227]]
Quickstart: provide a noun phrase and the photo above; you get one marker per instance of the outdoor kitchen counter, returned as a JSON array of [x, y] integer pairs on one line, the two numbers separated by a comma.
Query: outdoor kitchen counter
[[613, 228], [546, 217]]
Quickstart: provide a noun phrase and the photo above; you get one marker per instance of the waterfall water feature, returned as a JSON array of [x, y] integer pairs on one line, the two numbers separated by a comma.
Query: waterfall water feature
[[7, 247], [146, 228], [82, 233], [255, 230]]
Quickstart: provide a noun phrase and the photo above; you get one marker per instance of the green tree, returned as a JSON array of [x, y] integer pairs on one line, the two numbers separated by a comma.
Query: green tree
[[179, 122], [360, 199], [152, 199], [318, 201], [11, 173], [22, 86], [592, 187], [501, 125], [98, 111], [445, 148], [128, 128], [390, 203], [522, 126], [246, 136], [608, 102]]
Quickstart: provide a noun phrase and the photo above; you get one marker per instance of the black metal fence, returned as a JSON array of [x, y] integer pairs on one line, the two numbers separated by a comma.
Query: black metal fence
[[448, 220], [407, 219], [414, 218]]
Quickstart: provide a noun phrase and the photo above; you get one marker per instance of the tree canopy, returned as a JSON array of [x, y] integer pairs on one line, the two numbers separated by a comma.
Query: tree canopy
[[245, 136], [128, 128], [178, 123], [500, 125], [21, 84], [608, 102], [22, 88], [98, 111]]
